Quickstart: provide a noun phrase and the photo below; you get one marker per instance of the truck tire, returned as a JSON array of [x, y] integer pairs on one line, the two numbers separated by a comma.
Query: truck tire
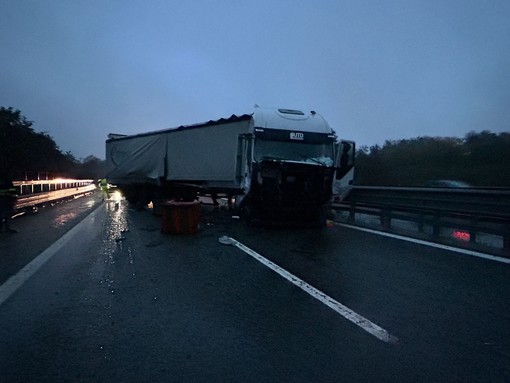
[[249, 214], [130, 195]]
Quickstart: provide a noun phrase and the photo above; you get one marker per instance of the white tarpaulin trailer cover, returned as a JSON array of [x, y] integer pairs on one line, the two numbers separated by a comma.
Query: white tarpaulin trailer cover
[[202, 152], [138, 159]]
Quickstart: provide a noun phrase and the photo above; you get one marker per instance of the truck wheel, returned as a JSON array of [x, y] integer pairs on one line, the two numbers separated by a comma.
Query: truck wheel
[[249, 214], [130, 195], [246, 210], [323, 217]]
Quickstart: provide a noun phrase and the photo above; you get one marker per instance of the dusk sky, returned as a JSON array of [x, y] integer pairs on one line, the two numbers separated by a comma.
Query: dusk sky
[[376, 70]]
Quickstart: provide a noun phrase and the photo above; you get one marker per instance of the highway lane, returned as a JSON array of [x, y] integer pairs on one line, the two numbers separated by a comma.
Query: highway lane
[[38, 231], [122, 302]]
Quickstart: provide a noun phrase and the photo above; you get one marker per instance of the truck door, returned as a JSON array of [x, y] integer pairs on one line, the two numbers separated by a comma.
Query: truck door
[[344, 173], [244, 159]]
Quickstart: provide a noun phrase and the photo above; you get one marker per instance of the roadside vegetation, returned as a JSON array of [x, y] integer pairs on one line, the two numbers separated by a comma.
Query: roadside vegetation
[[479, 159], [27, 154]]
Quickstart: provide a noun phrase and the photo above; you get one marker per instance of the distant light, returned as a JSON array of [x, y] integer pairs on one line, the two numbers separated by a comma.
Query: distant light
[[116, 196], [461, 235]]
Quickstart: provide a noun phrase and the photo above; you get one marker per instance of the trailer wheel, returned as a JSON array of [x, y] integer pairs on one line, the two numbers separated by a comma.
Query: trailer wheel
[[245, 209], [131, 195], [248, 213]]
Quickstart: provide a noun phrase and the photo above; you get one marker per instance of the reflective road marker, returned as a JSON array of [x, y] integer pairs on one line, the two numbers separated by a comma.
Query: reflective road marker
[[344, 311]]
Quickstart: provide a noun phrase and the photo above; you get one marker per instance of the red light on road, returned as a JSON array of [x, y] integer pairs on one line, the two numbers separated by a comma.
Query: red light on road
[[461, 235]]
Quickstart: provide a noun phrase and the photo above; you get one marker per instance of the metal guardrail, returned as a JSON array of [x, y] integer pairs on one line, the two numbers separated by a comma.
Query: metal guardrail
[[40, 192], [39, 186], [475, 210], [476, 201]]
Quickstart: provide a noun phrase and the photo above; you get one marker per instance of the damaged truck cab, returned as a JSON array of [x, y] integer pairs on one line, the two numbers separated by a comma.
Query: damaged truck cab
[[293, 167]]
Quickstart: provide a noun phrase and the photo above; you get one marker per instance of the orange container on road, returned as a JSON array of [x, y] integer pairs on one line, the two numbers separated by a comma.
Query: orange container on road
[[180, 217]]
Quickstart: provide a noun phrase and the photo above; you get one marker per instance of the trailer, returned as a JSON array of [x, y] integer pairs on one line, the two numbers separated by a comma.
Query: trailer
[[275, 164]]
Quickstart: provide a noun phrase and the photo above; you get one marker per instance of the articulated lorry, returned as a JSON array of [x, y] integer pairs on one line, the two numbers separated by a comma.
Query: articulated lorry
[[275, 164]]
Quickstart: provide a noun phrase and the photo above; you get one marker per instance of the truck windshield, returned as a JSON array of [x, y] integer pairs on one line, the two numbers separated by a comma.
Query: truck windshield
[[318, 153]]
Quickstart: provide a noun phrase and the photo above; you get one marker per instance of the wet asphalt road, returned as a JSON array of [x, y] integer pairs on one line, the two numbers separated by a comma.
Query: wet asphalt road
[[121, 302]]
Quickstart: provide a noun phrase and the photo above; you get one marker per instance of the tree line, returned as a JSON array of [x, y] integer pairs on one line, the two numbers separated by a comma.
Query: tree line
[[27, 154], [479, 159]]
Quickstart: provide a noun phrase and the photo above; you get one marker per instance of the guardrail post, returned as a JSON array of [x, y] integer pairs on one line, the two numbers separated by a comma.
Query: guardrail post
[[420, 223], [352, 212], [436, 226], [506, 239], [472, 232], [386, 218]]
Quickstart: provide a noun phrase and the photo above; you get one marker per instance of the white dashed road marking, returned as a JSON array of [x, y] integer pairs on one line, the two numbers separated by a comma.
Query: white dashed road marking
[[344, 311]]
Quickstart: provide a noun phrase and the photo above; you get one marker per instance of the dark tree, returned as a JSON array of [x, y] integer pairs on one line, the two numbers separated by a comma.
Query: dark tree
[[91, 167], [481, 159], [27, 154]]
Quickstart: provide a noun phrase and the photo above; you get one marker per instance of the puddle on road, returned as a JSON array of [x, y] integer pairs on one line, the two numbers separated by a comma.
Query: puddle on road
[[117, 225], [70, 212], [62, 219], [90, 204], [116, 247]]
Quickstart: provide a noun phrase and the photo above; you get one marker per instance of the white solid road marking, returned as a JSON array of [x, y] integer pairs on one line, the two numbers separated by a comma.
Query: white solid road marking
[[427, 243], [17, 280], [346, 312]]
